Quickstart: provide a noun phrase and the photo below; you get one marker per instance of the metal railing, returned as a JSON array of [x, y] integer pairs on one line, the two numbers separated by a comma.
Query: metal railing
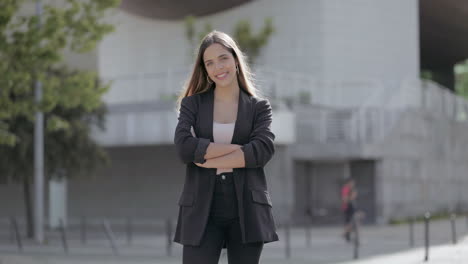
[[372, 110], [119, 235], [356, 125], [356, 235], [291, 87]]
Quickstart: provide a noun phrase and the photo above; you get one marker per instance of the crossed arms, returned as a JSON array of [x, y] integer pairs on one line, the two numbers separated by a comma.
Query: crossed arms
[[256, 153]]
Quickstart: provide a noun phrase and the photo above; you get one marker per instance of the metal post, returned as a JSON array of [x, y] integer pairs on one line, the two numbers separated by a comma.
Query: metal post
[[287, 234], [64, 236], [169, 237], [453, 217], [39, 155], [169, 87], [14, 226], [12, 231], [83, 230], [467, 221], [110, 236], [356, 236], [129, 230], [427, 217], [411, 232]]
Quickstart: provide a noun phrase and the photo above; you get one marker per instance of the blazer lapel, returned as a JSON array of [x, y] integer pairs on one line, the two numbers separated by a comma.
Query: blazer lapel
[[243, 107], [206, 115], [241, 125]]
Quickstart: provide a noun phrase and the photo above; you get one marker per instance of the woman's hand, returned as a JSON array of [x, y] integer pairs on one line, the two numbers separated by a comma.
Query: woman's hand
[[207, 164], [200, 164]]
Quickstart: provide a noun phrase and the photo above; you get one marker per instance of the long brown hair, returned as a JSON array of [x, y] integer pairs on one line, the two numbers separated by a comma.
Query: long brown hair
[[198, 83]]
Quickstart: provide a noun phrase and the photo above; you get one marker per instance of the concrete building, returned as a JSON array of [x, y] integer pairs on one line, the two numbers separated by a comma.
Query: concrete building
[[343, 77]]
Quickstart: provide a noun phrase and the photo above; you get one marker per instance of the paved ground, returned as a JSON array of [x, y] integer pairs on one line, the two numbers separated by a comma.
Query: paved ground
[[383, 244]]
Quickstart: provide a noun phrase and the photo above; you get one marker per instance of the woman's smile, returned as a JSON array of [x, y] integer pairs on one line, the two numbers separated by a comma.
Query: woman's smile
[[221, 76]]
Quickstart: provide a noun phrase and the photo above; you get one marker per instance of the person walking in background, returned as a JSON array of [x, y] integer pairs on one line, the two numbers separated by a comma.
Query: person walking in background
[[223, 136], [348, 198]]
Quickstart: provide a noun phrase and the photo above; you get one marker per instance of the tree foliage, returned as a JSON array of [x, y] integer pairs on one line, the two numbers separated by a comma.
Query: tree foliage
[[250, 43], [29, 53], [72, 99], [461, 79], [31, 50]]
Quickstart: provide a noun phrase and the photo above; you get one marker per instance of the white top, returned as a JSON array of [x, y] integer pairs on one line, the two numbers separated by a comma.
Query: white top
[[222, 133]]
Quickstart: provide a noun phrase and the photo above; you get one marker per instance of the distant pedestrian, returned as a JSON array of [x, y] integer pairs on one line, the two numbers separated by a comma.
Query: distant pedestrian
[[348, 198]]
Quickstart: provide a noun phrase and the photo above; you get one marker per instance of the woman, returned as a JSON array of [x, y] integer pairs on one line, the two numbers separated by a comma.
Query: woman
[[225, 200], [348, 198]]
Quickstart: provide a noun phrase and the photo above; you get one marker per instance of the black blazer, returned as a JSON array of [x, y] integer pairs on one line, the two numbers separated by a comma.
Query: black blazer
[[252, 131]]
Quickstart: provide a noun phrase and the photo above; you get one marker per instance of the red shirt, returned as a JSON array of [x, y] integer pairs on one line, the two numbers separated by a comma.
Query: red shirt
[[345, 193]]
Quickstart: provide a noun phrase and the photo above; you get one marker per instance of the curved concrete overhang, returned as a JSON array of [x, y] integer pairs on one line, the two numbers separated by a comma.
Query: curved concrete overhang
[[443, 23], [177, 9], [443, 32], [443, 27]]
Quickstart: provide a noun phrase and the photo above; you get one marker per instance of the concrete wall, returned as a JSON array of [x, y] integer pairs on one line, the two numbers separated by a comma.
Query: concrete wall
[[370, 39], [145, 182], [142, 182], [143, 45], [423, 166], [317, 189], [12, 200], [352, 40], [281, 183]]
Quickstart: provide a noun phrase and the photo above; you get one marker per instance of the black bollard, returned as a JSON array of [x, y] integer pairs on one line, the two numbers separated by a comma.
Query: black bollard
[[287, 234], [307, 234], [14, 226], [169, 237], [110, 237], [427, 217], [12, 231], [83, 230], [411, 232], [64, 236], [129, 231], [356, 241], [453, 217], [467, 221]]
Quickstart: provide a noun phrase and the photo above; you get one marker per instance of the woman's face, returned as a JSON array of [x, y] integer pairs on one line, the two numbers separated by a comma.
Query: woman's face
[[220, 65]]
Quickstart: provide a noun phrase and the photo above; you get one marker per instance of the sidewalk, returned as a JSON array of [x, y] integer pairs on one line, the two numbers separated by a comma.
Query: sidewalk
[[379, 244], [445, 254]]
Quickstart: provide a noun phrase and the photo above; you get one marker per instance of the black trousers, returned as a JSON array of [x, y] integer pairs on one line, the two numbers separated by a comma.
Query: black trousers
[[223, 228], [349, 212]]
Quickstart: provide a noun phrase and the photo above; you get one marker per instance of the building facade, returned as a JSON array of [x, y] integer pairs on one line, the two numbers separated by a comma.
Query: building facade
[[343, 77]]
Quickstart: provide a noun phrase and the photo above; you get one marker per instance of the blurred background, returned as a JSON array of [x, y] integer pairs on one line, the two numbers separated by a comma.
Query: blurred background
[[374, 90]]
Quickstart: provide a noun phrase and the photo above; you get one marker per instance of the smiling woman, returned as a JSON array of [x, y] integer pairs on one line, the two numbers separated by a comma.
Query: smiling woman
[[220, 66], [225, 200]]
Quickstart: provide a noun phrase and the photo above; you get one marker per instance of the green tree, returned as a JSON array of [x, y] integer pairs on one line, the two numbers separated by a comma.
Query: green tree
[[72, 100], [251, 44], [191, 33], [426, 75], [461, 79]]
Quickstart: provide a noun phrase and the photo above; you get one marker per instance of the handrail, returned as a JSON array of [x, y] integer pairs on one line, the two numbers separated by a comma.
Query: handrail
[[294, 87], [375, 110]]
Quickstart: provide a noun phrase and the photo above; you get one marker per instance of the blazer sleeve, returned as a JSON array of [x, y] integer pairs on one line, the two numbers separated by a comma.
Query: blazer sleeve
[[189, 148], [260, 148]]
